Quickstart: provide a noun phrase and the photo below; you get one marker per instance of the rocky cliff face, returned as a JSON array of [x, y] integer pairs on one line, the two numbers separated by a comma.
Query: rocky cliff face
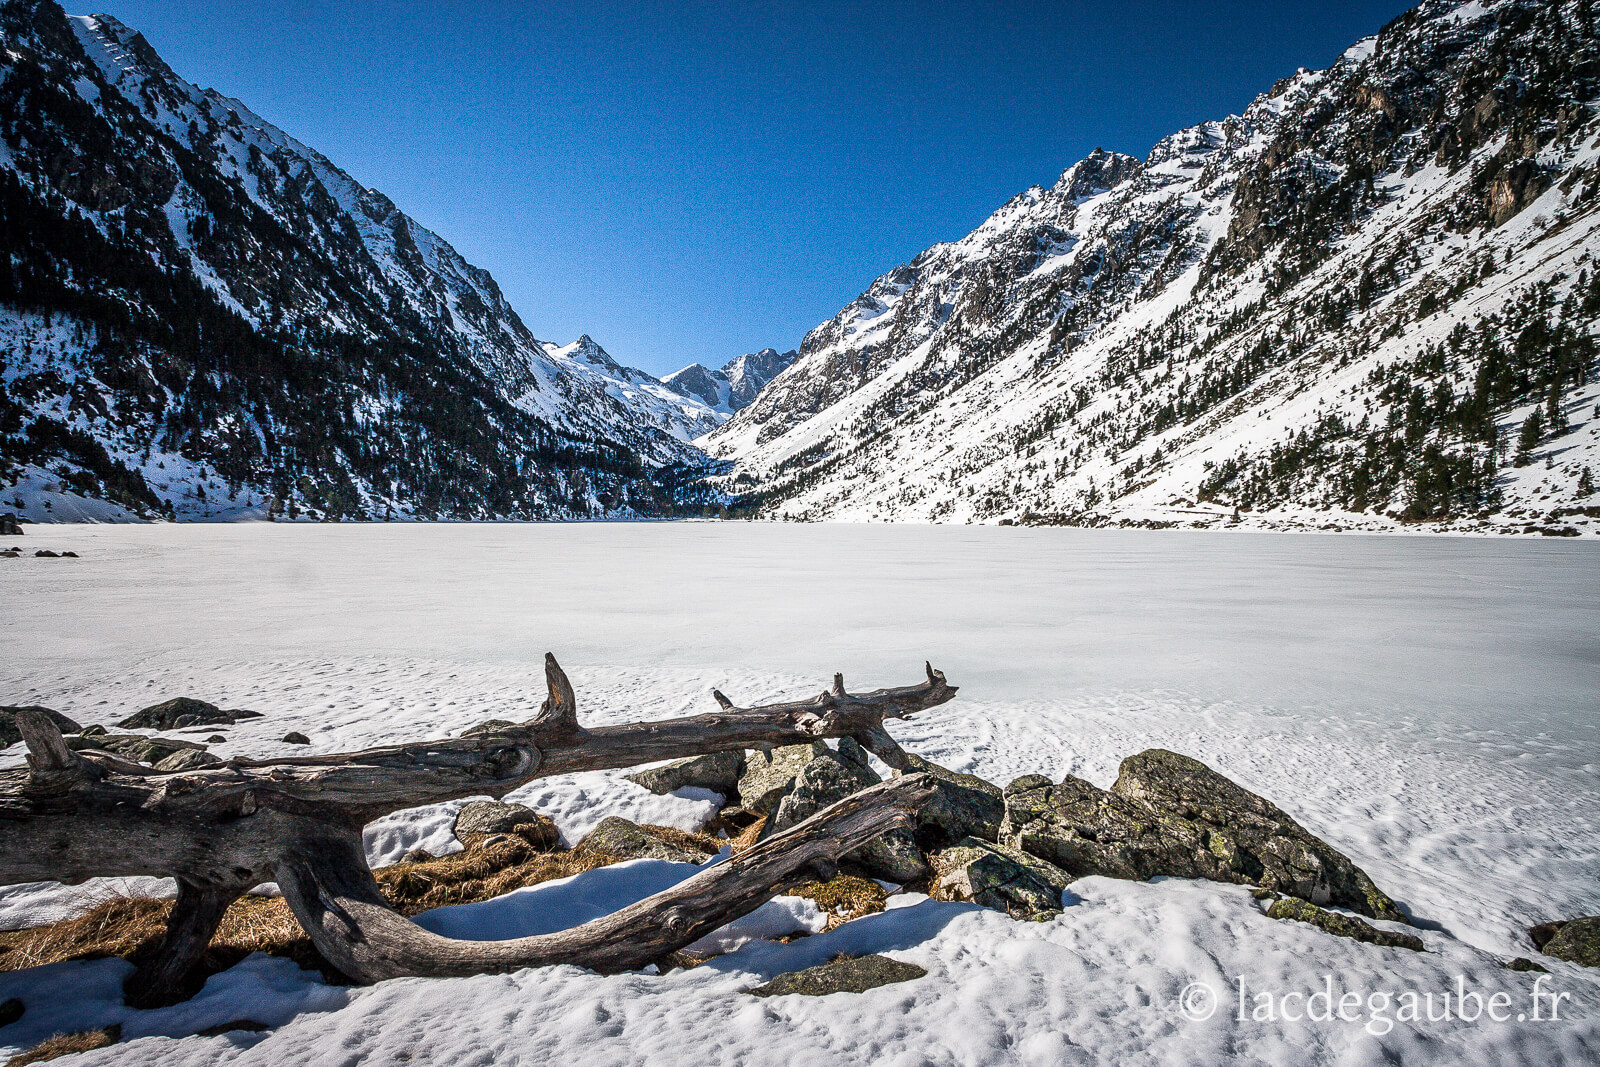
[[732, 387], [203, 317], [1368, 300]]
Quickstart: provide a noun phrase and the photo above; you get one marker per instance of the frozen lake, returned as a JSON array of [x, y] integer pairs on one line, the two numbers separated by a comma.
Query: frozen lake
[[1429, 705], [1459, 632]]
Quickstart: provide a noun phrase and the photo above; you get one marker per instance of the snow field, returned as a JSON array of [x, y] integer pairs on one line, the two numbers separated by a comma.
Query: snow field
[[1426, 705]]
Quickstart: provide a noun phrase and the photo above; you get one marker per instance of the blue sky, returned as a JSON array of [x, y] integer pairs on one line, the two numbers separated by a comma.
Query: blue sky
[[688, 182]]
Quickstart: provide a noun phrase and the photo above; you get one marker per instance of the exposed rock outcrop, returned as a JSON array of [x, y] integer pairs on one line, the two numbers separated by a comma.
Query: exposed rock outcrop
[[181, 712], [829, 777], [617, 836], [480, 818], [997, 876], [1341, 925], [841, 976], [1171, 815], [716, 771], [1576, 941]]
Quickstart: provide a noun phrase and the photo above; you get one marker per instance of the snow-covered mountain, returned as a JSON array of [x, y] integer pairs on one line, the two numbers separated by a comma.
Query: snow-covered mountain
[[736, 384], [202, 316], [1370, 299]]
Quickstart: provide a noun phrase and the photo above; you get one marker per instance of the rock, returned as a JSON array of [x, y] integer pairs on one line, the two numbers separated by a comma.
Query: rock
[[996, 876], [828, 778], [1342, 925], [69, 555], [10, 1011], [1578, 941], [417, 855], [186, 759], [46, 554], [230, 1027], [10, 553], [619, 837], [215, 739], [1027, 782], [1542, 933], [1523, 963], [136, 747], [180, 712], [841, 976], [731, 820], [963, 805], [93, 731], [766, 778], [10, 735], [497, 817], [488, 728], [1171, 815], [716, 771], [295, 737], [10, 527]]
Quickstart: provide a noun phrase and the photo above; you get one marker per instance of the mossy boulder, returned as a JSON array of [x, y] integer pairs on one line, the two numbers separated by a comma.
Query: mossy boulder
[[768, 775], [186, 759], [617, 836], [963, 805], [827, 778], [716, 771], [855, 975], [997, 876], [1341, 925], [477, 820], [136, 747], [1171, 815], [1577, 941]]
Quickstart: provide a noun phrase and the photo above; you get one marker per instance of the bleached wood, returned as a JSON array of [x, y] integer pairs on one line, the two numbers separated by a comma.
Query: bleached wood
[[70, 816]]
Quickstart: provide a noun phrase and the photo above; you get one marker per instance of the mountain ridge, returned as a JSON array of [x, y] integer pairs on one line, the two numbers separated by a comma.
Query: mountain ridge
[[1233, 325], [733, 386], [205, 318]]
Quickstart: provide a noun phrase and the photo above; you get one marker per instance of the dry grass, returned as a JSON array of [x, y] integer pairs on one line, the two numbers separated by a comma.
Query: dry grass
[[749, 836], [131, 927], [480, 874], [843, 898], [66, 1045], [684, 839]]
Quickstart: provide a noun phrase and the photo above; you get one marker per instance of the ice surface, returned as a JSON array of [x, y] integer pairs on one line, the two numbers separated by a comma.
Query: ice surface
[[1428, 705]]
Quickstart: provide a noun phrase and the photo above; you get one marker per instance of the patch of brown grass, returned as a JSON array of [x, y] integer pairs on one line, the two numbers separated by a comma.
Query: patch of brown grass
[[66, 1045], [749, 836], [683, 838], [131, 927], [843, 898], [480, 874]]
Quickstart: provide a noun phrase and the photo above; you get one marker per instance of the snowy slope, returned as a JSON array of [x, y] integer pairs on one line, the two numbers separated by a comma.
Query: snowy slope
[[210, 314], [1338, 309]]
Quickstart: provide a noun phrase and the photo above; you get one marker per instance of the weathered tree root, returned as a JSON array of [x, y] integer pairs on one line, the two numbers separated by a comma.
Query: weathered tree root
[[220, 830]]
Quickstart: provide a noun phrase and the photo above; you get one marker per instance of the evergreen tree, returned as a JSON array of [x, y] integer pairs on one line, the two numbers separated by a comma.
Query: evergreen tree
[[1528, 440]]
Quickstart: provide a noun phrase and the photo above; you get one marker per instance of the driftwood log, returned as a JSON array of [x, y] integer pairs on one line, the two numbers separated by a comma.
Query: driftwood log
[[70, 816]]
